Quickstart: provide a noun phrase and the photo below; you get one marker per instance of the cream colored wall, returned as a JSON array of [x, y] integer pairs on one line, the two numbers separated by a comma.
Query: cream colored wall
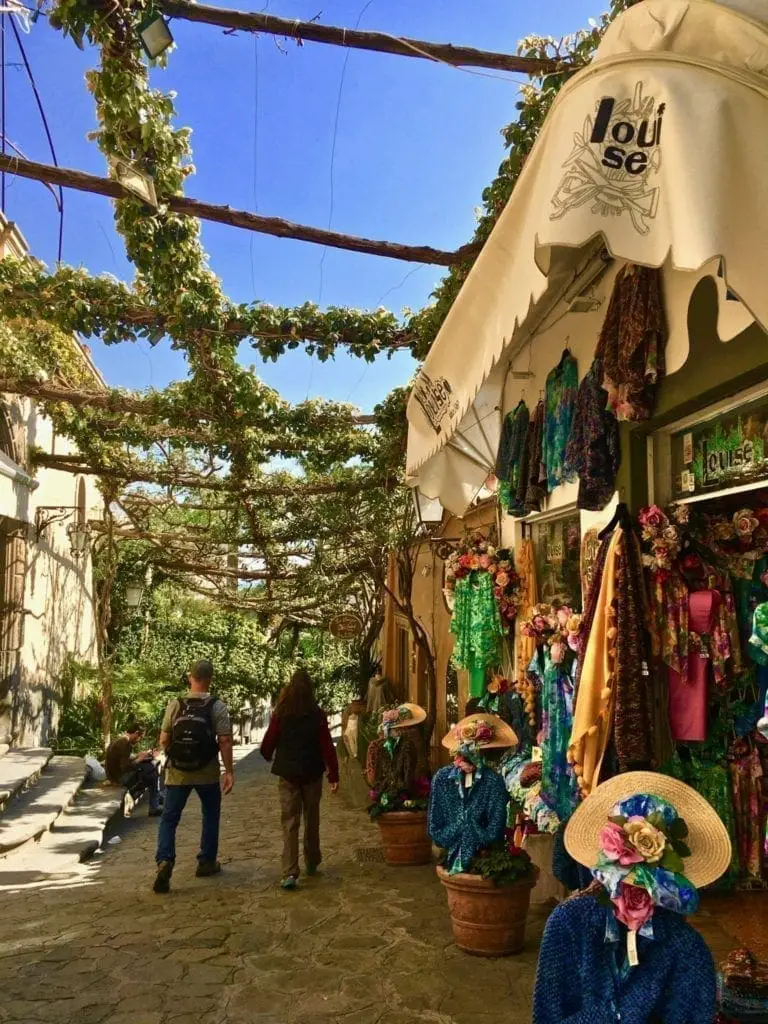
[[58, 599], [58, 590]]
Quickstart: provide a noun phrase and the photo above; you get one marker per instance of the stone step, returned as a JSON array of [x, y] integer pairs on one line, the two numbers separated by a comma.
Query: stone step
[[19, 769], [35, 810], [59, 855], [4, 748]]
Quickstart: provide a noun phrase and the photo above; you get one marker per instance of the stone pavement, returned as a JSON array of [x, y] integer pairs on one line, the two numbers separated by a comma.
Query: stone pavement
[[361, 944]]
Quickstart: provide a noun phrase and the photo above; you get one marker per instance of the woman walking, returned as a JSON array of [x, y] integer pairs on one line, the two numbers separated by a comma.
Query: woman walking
[[300, 741]]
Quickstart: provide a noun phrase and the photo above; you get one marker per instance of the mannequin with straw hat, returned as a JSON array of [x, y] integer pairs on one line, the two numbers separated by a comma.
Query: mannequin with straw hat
[[468, 805], [392, 764], [621, 950]]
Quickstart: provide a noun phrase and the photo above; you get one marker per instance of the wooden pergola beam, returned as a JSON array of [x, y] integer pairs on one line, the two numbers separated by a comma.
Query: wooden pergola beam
[[184, 481], [379, 42], [110, 401], [276, 226]]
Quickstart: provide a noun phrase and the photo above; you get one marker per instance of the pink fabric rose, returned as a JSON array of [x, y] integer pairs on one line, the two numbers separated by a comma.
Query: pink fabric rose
[[563, 614], [485, 561], [652, 517], [502, 580], [633, 906], [613, 843], [574, 642], [540, 623]]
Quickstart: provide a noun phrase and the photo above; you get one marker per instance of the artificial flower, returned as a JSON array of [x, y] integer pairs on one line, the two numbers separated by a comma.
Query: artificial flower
[[745, 523], [483, 733], [468, 732], [649, 842], [633, 906], [484, 561], [652, 517], [502, 579], [724, 530], [615, 847], [563, 615]]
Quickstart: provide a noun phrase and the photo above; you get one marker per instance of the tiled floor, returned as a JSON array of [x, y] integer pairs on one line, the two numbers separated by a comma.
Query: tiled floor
[[730, 921]]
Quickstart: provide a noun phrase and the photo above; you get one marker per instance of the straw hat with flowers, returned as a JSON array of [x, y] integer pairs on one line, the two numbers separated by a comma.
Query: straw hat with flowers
[[643, 825], [402, 717], [485, 730]]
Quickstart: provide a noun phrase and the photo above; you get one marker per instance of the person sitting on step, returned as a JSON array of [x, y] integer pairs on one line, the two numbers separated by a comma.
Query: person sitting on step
[[138, 773]]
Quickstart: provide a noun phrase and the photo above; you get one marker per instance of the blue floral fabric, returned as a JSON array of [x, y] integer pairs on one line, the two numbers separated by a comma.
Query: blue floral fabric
[[560, 399], [463, 821], [581, 980], [558, 784]]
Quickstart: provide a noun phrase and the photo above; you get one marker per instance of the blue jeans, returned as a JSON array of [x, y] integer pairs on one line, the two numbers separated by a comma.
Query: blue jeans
[[175, 801]]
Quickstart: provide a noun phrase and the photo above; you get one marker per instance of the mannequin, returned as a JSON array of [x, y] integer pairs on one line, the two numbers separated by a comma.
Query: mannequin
[[394, 765]]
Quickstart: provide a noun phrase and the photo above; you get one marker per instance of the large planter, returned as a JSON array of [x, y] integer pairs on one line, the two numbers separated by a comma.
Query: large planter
[[404, 838], [487, 919]]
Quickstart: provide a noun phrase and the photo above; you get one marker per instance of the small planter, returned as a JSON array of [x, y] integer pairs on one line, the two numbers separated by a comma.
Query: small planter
[[404, 838], [487, 920]]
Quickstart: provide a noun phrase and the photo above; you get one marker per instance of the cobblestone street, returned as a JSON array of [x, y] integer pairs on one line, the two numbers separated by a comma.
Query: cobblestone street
[[362, 943]]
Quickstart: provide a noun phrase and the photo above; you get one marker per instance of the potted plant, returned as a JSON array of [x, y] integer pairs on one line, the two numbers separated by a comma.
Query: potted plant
[[402, 821], [489, 903]]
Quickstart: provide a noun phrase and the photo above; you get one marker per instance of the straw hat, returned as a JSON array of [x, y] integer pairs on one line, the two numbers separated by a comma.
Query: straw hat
[[416, 715], [503, 735], [708, 837]]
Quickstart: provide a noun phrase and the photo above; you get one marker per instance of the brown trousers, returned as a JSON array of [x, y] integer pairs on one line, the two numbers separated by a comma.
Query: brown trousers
[[293, 800]]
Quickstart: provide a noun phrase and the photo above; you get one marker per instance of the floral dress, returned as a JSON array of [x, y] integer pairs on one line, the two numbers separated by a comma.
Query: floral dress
[[478, 628], [558, 783], [561, 389]]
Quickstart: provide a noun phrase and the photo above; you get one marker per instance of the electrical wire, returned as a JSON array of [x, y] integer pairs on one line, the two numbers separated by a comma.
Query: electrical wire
[[46, 127]]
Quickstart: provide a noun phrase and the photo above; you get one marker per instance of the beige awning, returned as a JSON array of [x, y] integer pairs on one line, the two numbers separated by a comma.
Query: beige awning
[[653, 151]]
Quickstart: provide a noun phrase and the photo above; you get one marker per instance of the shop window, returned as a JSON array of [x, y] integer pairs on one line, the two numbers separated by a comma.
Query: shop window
[[402, 644], [557, 553]]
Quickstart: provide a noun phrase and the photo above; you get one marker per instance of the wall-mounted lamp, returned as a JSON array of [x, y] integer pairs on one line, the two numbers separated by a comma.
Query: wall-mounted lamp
[[78, 531]]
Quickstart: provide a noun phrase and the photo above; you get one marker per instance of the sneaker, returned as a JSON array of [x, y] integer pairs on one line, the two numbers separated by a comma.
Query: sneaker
[[206, 868], [163, 877], [289, 882]]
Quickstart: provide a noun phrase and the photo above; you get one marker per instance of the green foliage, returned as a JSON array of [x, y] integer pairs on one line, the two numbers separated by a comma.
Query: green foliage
[[503, 864]]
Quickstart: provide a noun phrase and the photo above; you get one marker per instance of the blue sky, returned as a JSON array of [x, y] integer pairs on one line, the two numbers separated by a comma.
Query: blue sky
[[416, 143]]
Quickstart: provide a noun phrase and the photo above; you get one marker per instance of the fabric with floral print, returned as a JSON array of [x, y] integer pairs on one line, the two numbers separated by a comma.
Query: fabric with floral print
[[593, 451], [478, 628], [509, 460], [746, 780], [632, 343], [561, 389], [558, 783]]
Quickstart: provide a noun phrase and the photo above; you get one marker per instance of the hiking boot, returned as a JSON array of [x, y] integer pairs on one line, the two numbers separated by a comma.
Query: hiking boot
[[289, 882], [206, 868], [163, 877]]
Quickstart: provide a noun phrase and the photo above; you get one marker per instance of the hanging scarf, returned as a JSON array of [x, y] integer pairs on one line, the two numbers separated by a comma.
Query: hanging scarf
[[525, 646], [478, 628], [558, 784]]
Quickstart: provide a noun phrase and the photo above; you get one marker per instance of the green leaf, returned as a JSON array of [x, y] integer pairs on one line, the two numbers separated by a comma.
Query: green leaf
[[681, 848], [678, 829], [618, 820], [658, 821], [672, 861]]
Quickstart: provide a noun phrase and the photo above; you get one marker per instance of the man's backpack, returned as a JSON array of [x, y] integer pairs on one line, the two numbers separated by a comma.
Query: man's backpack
[[193, 737]]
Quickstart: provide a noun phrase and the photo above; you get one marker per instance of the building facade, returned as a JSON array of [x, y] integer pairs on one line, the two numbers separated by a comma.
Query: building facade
[[47, 612]]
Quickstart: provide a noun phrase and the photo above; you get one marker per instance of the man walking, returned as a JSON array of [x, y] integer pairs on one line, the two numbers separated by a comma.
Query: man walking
[[195, 729], [136, 772]]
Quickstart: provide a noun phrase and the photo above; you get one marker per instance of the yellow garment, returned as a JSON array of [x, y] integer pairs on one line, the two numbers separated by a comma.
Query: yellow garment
[[525, 646], [593, 713]]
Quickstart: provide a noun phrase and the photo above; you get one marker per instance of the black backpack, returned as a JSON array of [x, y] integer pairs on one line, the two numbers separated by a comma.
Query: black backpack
[[193, 738]]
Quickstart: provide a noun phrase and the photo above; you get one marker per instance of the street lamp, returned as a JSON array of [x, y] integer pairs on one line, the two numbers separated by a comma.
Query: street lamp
[[154, 34], [135, 591], [79, 535], [429, 511]]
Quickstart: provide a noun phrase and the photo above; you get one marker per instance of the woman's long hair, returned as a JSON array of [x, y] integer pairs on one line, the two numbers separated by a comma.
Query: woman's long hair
[[297, 699]]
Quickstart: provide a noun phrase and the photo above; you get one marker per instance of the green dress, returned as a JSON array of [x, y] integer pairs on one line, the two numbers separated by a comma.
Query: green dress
[[478, 629]]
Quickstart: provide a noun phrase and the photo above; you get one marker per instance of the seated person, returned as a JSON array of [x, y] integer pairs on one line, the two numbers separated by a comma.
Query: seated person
[[137, 772]]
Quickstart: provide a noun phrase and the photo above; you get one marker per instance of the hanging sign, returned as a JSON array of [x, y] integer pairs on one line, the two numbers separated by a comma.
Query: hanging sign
[[346, 626], [724, 452]]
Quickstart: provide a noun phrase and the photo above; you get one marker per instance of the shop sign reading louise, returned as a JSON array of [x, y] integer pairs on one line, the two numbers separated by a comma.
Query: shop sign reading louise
[[345, 627], [723, 452]]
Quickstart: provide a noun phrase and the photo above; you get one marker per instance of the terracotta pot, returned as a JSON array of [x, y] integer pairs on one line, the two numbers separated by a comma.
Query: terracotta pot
[[404, 838], [487, 919]]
